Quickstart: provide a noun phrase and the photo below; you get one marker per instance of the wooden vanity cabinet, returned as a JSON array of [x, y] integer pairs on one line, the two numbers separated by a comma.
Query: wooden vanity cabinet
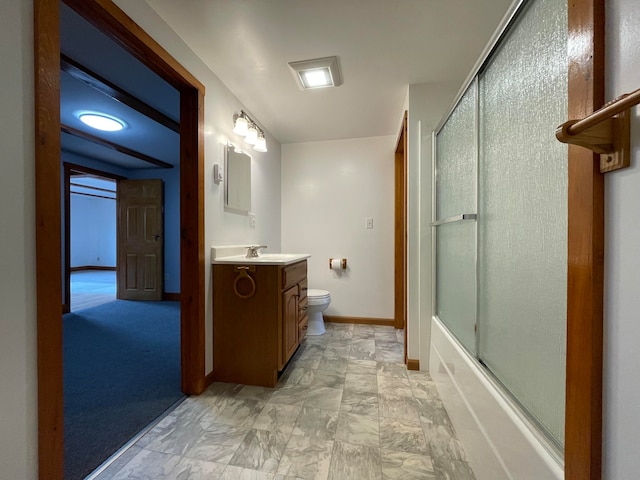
[[259, 319], [294, 299]]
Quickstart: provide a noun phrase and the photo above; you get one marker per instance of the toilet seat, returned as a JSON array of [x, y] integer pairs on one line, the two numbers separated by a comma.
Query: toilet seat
[[317, 297]]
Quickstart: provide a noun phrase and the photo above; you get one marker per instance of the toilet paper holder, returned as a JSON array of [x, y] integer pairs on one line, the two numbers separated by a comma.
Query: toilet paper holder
[[337, 263]]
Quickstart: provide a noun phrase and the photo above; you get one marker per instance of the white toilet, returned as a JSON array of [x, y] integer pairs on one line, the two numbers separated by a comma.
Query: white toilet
[[317, 302]]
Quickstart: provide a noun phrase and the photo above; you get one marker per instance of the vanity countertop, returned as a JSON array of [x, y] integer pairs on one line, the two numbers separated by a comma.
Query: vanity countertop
[[262, 259]]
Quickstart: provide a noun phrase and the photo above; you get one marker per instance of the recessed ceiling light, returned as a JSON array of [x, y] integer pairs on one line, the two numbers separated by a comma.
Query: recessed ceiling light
[[101, 121], [317, 73]]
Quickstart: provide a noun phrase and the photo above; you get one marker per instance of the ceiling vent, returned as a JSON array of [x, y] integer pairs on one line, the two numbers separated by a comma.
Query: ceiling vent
[[317, 73]]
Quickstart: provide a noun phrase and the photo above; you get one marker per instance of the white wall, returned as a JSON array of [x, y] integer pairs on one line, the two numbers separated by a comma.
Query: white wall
[[328, 190], [622, 259], [220, 106], [428, 103], [93, 231], [18, 410]]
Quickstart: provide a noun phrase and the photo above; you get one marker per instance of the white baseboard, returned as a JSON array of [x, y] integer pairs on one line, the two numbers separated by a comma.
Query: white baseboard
[[499, 443]]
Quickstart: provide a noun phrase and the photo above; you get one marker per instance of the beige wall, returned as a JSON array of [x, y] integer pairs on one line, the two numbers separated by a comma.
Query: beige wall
[[328, 190], [622, 259], [18, 411]]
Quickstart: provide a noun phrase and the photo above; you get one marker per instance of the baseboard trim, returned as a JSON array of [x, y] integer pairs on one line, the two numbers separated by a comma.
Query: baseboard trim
[[91, 267], [360, 320], [171, 297], [413, 364]]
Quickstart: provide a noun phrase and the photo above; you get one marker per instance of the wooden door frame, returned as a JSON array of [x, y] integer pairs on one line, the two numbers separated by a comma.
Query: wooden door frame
[[400, 232], [585, 256], [68, 168], [107, 17]]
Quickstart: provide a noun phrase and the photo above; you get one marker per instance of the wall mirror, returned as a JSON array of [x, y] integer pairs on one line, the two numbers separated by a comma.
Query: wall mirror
[[237, 184]]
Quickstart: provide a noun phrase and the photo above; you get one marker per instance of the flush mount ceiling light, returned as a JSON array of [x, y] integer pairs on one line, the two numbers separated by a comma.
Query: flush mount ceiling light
[[317, 73], [253, 135], [102, 121]]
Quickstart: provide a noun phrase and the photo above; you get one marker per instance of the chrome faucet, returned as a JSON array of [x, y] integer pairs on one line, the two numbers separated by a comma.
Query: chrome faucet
[[252, 251]]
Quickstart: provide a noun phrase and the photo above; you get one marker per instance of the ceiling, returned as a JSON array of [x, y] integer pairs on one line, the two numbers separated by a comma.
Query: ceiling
[[83, 44], [383, 47]]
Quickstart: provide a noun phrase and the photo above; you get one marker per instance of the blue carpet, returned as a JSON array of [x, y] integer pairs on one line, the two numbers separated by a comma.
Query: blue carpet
[[121, 371]]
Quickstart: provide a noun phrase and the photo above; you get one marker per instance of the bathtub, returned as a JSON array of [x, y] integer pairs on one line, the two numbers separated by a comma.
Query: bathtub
[[499, 441]]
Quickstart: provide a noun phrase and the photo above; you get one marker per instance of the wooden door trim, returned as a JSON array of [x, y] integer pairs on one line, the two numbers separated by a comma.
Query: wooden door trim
[[400, 232], [105, 15], [48, 238], [585, 273]]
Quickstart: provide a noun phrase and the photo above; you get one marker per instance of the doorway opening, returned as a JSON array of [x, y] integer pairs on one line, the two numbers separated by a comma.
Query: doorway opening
[[89, 237], [49, 272]]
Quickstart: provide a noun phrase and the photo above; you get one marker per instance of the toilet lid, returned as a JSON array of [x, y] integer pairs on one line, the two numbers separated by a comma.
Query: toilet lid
[[312, 292], [318, 297]]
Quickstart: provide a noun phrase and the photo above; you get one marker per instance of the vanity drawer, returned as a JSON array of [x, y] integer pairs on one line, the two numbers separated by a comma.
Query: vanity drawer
[[302, 307], [292, 274], [302, 328], [303, 290]]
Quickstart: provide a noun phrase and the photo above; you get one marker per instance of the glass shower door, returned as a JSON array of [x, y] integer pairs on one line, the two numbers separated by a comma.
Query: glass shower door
[[455, 226]]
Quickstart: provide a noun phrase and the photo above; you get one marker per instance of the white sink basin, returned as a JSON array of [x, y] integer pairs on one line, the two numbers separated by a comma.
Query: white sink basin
[[263, 259]]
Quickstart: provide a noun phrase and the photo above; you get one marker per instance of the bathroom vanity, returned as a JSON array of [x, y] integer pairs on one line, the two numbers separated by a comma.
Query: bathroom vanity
[[259, 316]]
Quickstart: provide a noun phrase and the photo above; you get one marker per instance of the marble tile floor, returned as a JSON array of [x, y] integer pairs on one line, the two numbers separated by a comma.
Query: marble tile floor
[[345, 408]]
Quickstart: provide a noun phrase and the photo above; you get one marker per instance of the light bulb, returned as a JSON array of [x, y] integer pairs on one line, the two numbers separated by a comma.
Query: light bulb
[[242, 126], [261, 144], [252, 135]]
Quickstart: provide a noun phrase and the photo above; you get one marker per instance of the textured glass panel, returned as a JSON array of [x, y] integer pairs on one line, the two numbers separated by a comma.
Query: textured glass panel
[[522, 221], [456, 280], [456, 160]]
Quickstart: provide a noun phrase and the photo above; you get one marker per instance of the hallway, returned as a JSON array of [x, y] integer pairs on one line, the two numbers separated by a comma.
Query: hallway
[[344, 408]]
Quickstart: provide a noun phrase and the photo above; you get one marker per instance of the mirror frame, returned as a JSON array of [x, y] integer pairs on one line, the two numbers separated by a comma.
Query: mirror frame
[[244, 206]]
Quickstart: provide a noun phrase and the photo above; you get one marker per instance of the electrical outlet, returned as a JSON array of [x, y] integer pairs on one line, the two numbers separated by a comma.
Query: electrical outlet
[[369, 223], [252, 220]]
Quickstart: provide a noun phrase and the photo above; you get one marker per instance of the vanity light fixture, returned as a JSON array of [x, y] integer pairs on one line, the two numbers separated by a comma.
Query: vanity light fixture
[[253, 135], [101, 121], [261, 143], [317, 73]]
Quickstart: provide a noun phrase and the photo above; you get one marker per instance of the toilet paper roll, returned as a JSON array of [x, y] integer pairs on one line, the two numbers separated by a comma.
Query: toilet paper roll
[[337, 263]]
